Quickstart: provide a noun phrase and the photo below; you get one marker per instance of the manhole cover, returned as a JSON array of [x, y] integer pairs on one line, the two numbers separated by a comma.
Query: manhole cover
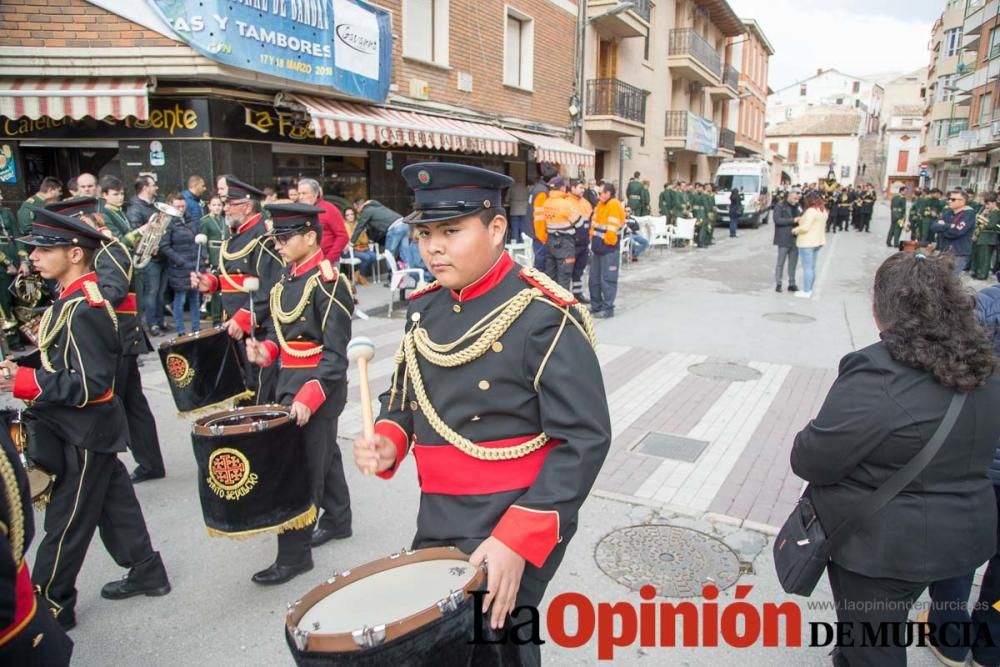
[[676, 561], [668, 446], [724, 370], [789, 318]]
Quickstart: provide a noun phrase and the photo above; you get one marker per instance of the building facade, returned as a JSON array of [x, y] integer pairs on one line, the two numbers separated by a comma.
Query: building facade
[[828, 88], [177, 112], [820, 140], [750, 54], [901, 138]]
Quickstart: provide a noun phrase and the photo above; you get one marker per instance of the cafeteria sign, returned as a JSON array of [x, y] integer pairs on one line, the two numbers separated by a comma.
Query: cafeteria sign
[[342, 44]]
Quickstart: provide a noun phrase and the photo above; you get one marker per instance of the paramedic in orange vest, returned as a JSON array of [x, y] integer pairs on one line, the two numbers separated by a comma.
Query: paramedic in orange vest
[[536, 200], [581, 238], [561, 216], [609, 216]]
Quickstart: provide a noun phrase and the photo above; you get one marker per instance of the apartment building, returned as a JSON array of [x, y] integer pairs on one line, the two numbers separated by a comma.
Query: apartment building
[[828, 88], [668, 105], [750, 53], [946, 112], [817, 141]]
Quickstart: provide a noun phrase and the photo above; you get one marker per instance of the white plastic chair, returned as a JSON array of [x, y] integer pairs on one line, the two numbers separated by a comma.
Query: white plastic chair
[[660, 234], [351, 261], [401, 279], [625, 252], [523, 253], [684, 230]]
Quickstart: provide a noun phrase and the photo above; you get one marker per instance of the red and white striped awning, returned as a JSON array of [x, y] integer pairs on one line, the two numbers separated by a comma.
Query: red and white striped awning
[[348, 121], [76, 98], [556, 149]]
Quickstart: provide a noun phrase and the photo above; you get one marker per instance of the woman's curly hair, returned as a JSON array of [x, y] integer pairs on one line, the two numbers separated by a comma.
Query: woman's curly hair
[[928, 320]]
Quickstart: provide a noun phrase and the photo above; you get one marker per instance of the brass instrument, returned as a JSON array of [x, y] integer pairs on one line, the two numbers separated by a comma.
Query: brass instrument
[[150, 241], [981, 222], [29, 290]]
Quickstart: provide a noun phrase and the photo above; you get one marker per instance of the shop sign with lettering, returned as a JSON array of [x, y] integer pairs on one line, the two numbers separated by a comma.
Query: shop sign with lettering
[[168, 119]]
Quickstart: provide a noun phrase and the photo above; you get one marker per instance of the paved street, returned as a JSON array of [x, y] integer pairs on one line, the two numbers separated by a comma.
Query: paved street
[[701, 348]]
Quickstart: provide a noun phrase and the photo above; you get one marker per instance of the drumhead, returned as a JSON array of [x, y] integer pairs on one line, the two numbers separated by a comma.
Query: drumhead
[[39, 482], [248, 419], [387, 596], [184, 338], [244, 419]]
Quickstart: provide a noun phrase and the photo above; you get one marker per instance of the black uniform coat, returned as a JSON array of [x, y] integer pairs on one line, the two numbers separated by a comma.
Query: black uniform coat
[[877, 416], [116, 279], [542, 375], [73, 393]]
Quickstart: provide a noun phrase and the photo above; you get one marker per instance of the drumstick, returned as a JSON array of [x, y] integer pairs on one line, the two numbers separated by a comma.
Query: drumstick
[[200, 240], [361, 349], [252, 284]]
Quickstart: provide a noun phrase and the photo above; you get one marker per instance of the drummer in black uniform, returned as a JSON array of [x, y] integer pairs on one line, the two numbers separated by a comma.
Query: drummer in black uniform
[[249, 253], [309, 327], [117, 281], [497, 390], [77, 425]]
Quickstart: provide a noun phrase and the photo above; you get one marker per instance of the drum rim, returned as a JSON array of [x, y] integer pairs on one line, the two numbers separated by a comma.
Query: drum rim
[[344, 642], [188, 337], [201, 425]]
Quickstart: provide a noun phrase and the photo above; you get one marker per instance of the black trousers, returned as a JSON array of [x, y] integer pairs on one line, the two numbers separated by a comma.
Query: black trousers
[[560, 258], [329, 484], [143, 439], [42, 643], [94, 490], [581, 254], [868, 600]]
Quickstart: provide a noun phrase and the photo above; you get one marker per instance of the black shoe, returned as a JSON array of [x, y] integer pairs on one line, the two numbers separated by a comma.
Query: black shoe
[[777, 288], [155, 331], [793, 288], [581, 298], [146, 578], [321, 536], [605, 314], [280, 574], [139, 475]]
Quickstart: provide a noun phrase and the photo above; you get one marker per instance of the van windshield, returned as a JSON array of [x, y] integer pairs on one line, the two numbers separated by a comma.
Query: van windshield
[[748, 182]]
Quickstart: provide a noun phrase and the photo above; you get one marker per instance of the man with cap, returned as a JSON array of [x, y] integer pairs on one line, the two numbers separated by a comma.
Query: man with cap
[[499, 392], [248, 253], [310, 325], [116, 280], [77, 425]]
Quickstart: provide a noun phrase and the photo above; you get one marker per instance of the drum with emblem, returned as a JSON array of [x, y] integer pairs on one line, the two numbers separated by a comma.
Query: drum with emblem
[[411, 608], [253, 475], [203, 369], [39, 480]]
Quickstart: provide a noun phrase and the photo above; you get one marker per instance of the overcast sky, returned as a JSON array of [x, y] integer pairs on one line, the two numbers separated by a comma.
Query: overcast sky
[[857, 37]]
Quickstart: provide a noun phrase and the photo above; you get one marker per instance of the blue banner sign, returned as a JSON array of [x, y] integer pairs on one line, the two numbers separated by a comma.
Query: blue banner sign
[[342, 44], [702, 135]]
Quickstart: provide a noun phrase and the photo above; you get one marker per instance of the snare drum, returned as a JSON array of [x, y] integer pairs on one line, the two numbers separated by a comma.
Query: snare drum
[[203, 369], [411, 608], [253, 475]]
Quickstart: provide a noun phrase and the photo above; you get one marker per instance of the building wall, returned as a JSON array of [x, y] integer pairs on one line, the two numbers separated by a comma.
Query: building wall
[[70, 23], [748, 53], [894, 144], [807, 167], [943, 169], [825, 89]]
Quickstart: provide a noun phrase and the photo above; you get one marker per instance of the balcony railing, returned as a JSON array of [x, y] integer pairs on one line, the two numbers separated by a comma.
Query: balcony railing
[[994, 51], [731, 77], [727, 139], [677, 124], [687, 42], [642, 8], [611, 97]]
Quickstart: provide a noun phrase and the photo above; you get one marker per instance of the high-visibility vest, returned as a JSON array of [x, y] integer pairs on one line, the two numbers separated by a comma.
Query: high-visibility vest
[[583, 208], [538, 211], [608, 218], [561, 214]]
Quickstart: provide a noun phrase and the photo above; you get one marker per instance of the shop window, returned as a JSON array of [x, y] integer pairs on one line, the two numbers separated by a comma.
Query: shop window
[[342, 177], [519, 50], [425, 31]]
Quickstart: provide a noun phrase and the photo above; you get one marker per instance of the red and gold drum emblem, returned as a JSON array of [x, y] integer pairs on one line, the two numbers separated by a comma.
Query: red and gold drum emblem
[[179, 370], [229, 474]]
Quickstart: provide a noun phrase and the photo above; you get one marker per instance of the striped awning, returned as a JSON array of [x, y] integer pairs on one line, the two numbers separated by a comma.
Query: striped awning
[[53, 97], [556, 149], [348, 121]]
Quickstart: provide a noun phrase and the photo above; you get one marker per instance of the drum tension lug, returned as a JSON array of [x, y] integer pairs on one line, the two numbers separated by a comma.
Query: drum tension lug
[[369, 637], [301, 639], [450, 603], [216, 429], [258, 426]]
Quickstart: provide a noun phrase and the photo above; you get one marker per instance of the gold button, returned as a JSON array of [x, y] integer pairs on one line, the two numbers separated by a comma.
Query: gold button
[[498, 346], [484, 385], [302, 319], [457, 308], [476, 418], [415, 317], [414, 406]]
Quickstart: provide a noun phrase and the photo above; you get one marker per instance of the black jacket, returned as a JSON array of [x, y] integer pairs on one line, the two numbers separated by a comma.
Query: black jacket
[[376, 219], [139, 211], [178, 246], [876, 417], [988, 312], [784, 222]]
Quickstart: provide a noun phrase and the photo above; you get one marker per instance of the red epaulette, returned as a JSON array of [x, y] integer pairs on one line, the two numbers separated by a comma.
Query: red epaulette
[[426, 289], [550, 288], [327, 271], [93, 294]]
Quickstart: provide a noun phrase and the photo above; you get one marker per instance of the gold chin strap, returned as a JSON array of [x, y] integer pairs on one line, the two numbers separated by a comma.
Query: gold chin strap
[[488, 329]]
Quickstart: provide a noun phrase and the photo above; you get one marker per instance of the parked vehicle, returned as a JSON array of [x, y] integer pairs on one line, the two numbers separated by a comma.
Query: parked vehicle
[[752, 176]]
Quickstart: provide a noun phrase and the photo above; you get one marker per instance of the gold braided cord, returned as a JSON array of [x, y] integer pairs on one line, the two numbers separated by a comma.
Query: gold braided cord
[[287, 317], [12, 494], [298, 522], [49, 331], [239, 254]]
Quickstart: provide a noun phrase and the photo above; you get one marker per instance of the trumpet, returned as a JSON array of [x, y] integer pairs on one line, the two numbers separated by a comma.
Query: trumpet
[[150, 240]]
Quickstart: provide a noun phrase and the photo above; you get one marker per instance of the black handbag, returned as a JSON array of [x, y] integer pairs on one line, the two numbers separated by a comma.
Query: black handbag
[[802, 548]]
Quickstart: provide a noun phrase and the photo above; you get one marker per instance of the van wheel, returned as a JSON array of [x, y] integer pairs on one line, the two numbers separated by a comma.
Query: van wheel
[[767, 218]]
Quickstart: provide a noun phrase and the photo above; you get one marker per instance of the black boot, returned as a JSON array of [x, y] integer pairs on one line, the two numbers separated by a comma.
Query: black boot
[[793, 288], [146, 578], [777, 288], [581, 298]]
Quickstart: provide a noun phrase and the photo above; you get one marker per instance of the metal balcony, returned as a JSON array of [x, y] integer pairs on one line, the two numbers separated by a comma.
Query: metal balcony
[[615, 107], [681, 135], [727, 139], [731, 77], [690, 56]]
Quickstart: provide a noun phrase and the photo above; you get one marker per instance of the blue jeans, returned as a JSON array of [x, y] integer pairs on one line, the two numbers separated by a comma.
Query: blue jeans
[[808, 256], [367, 258], [192, 298], [604, 281], [734, 219], [639, 244], [397, 236], [154, 292], [518, 225]]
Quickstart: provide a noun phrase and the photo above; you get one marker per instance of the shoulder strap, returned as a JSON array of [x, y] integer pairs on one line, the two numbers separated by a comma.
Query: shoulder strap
[[902, 477]]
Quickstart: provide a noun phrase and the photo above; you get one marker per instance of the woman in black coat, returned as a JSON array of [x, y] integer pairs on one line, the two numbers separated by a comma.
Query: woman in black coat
[[886, 403], [179, 247]]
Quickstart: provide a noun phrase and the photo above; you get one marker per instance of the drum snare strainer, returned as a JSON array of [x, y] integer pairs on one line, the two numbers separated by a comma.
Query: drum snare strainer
[[383, 600]]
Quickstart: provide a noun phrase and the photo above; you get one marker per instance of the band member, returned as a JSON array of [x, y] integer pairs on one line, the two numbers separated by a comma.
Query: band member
[[248, 253], [499, 391], [77, 425], [29, 636], [116, 280], [310, 325]]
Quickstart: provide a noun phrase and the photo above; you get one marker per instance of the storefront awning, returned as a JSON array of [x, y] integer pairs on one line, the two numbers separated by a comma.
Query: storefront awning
[[556, 149], [347, 121], [118, 97]]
